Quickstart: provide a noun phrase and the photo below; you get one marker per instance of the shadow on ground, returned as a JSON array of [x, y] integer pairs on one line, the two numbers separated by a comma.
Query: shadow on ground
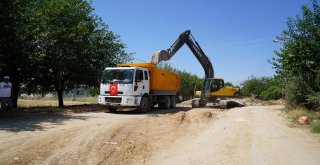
[[35, 118], [155, 111], [32, 119]]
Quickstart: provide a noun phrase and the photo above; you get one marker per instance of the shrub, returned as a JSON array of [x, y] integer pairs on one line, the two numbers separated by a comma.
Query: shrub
[[271, 93], [266, 88], [295, 92], [314, 100]]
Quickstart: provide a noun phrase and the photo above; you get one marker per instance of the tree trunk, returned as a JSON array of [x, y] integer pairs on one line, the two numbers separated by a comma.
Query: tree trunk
[[59, 86], [14, 94], [14, 79], [60, 97]]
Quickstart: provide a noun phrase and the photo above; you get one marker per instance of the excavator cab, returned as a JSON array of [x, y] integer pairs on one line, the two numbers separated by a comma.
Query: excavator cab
[[216, 84], [219, 90]]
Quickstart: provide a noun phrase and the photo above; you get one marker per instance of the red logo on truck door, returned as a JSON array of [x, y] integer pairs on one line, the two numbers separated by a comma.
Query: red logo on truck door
[[113, 89]]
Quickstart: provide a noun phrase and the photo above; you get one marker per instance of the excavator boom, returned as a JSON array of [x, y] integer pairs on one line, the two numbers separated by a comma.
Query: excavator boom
[[187, 38]]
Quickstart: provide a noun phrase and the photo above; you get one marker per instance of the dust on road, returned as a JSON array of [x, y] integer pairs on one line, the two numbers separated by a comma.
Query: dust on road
[[248, 135]]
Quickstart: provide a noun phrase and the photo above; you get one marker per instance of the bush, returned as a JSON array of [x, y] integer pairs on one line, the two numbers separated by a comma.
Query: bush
[[271, 93], [314, 100], [295, 92], [253, 86], [299, 92], [266, 88]]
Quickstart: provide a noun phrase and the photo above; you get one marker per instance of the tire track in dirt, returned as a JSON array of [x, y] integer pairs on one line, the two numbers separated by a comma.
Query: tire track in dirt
[[102, 139]]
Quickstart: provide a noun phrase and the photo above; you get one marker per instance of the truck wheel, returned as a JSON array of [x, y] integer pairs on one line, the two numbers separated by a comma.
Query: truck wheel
[[112, 109], [144, 105], [165, 102], [173, 101]]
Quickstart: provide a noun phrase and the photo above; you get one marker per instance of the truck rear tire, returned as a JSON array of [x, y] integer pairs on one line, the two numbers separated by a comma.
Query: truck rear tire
[[165, 102], [144, 105], [173, 101]]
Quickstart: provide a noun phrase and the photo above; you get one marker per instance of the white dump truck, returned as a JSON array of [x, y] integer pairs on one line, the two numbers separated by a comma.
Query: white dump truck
[[140, 85]]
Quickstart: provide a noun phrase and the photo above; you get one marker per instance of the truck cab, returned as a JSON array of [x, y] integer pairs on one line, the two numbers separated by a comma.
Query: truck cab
[[123, 86]]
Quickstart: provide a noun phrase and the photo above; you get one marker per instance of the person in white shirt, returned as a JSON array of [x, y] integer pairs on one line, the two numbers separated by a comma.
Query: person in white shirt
[[5, 94]]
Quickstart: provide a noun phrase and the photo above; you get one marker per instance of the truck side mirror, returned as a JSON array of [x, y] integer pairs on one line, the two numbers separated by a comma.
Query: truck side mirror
[[99, 76]]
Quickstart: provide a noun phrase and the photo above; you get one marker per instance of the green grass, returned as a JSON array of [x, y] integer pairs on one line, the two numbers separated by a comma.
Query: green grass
[[53, 102], [315, 127], [49, 105], [92, 100]]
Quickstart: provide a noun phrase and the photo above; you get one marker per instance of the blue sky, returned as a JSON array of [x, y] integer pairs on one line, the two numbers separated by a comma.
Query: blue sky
[[236, 35]]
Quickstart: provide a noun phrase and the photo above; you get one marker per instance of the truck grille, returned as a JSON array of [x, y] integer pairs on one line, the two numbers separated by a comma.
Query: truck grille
[[119, 92], [113, 99]]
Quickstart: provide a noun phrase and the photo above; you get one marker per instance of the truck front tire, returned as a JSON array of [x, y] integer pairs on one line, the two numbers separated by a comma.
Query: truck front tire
[[112, 109], [144, 105]]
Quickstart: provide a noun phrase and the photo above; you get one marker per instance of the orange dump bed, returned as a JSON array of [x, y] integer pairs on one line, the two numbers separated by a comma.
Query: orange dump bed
[[161, 81]]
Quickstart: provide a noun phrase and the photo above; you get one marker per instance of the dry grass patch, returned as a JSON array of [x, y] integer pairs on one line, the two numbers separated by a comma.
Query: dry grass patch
[[314, 117]]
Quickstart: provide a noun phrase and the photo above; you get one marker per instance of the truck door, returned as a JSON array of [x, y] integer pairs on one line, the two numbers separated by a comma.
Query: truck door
[[146, 81], [139, 86]]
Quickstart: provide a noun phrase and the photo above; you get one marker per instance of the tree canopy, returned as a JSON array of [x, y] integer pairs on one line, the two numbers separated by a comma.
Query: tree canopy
[[298, 62], [55, 44]]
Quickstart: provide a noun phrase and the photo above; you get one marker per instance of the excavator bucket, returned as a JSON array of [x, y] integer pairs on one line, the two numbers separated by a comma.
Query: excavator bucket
[[157, 57]]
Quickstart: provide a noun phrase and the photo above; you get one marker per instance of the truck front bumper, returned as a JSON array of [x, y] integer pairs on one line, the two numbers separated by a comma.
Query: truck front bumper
[[119, 101]]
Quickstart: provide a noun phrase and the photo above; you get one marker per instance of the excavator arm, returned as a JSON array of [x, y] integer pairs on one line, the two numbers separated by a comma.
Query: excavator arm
[[187, 38]]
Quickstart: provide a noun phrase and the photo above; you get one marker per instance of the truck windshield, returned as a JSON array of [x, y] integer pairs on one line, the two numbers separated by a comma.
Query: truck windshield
[[124, 76]]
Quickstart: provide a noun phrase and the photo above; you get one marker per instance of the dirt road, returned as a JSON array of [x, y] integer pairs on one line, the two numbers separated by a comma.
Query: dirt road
[[248, 135]]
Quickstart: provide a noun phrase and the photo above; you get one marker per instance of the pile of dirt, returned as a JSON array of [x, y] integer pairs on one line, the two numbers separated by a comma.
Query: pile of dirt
[[133, 143], [257, 102], [186, 103]]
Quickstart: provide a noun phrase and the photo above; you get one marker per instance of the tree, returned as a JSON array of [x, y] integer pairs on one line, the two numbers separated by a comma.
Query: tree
[[298, 61], [54, 45], [15, 42], [72, 45], [253, 86], [228, 84]]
